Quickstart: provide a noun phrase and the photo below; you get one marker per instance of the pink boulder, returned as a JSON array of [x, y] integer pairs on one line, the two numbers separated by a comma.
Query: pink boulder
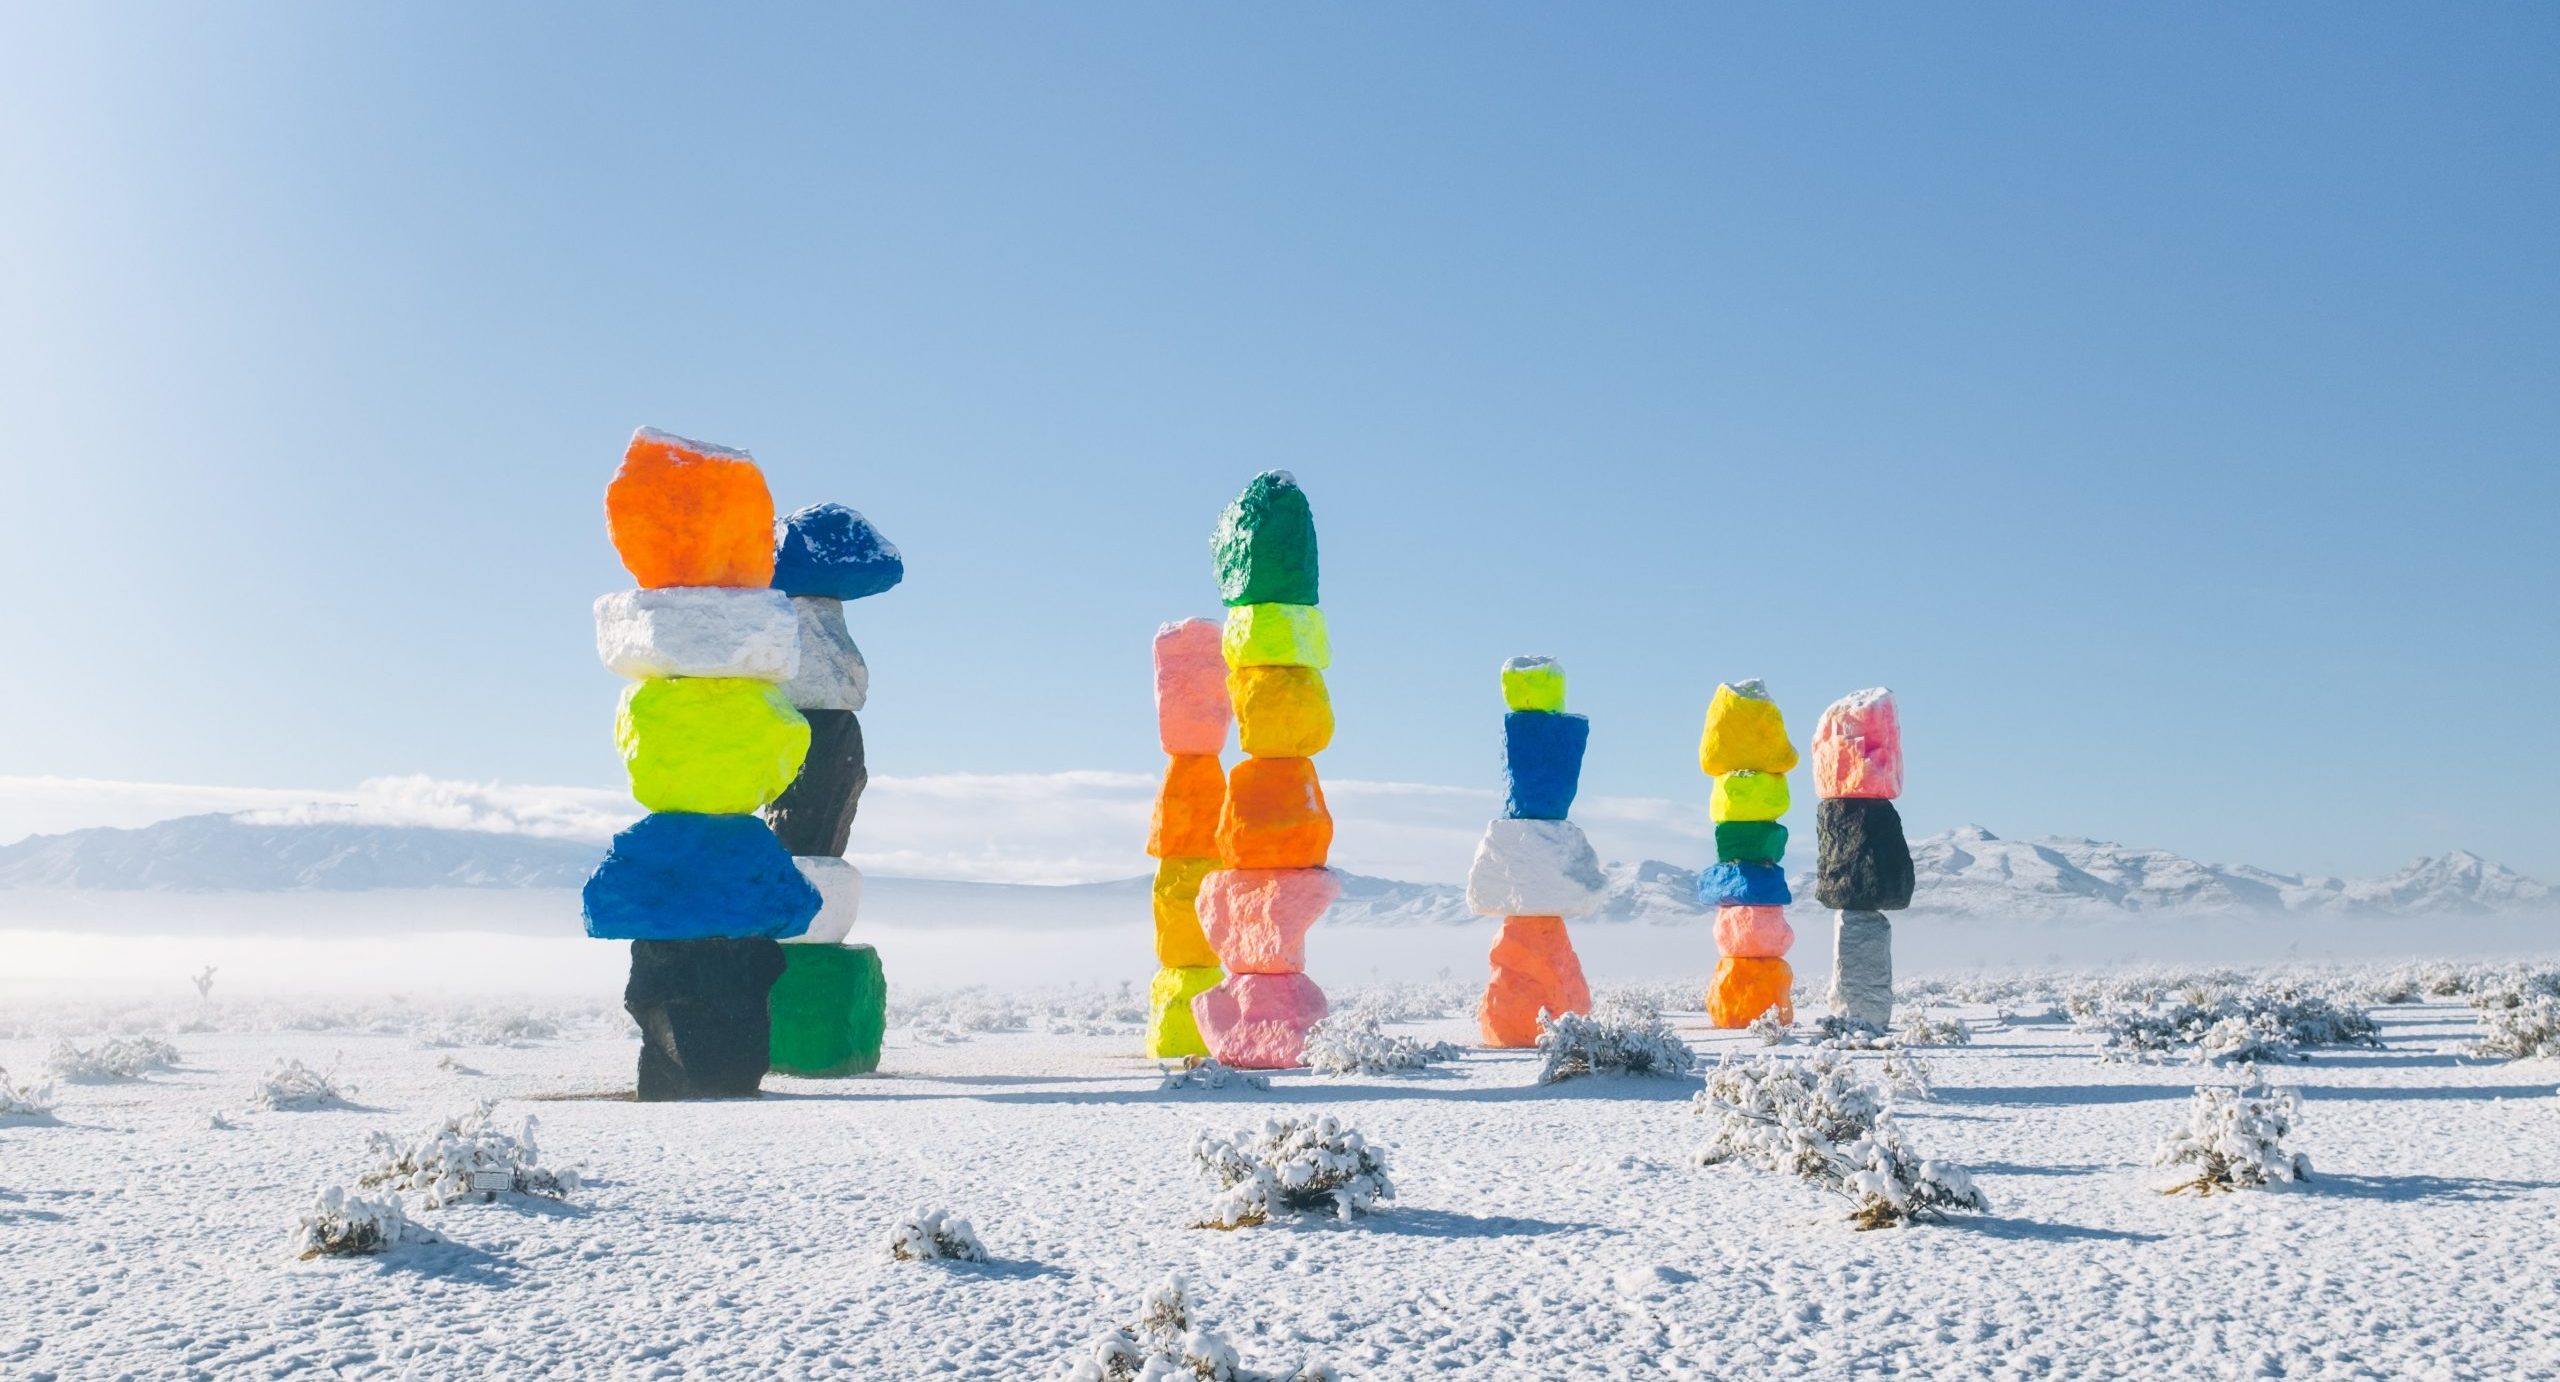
[[1857, 747], [1257, 919], [1754, 933], [1259, 1021], [1191, 688]]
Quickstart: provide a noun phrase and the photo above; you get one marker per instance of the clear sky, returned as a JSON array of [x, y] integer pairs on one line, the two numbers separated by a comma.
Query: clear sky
[[2163, 399]]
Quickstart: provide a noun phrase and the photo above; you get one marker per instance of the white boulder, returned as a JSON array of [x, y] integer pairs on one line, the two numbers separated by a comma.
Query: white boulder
[[1534, 869], [832, 675], [1862, 969], [839, 886], [698, 631]]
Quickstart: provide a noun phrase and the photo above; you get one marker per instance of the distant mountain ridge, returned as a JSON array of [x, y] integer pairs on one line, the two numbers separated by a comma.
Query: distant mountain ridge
[[1967, 870]]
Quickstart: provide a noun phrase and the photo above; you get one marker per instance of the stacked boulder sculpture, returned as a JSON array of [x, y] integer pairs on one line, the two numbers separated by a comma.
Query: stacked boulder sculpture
[[1534, 868], [700, 886], [1746, 750], [830, 1006], [1273, 833], [1865, 869], [1191, 723]]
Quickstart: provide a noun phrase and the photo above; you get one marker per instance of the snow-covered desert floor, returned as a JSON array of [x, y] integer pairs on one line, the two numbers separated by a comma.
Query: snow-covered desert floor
[[1537, 1231]]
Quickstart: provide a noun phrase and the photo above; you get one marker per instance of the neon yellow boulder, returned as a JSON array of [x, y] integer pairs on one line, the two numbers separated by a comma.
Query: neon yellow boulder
[[1748, 796], [1745, 732], [719, 746], [1171, 1032], [1533, 683], [1277, 636]]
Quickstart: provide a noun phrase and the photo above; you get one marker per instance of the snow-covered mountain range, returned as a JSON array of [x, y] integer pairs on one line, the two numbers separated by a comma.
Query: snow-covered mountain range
[[1965, 871]]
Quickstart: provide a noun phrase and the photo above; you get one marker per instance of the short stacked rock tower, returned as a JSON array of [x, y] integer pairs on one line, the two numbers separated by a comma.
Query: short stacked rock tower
[[831, 1005], [699, 886], [1746, 750], [1865, 869], [1273, 830], [1191, 723], [1534, 868]]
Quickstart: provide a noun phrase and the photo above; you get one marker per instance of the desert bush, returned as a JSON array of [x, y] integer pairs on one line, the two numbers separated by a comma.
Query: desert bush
[[1169, 1340], [293, 1085], [1623, 1035], [117, 1058], [1352, 1044], [2219, 1019], [1292, 1165], [1816, 1120], [31, 1101], [2521, 1029], [1917, 1029], [1205, 1072], [463, 1155], [341, 1223], [935, 1235], [1770, 1031], [2234, 1138]]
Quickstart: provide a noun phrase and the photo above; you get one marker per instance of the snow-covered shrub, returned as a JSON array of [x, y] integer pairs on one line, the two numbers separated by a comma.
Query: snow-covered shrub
[[1169, 1341], [1905, 1073], [33, 1101], [117, 1058], [1400, 1002], [935, 1235], [1205, 1072], [1292, 1165], [1624, 1035], [293, 1085], [2234, 1137], [450, 1066], [1915, 1029], [1816, 1120], [2222, 1019], [463, 1155], [1838, 1033], [1769, 1030], [2521, 1030], [1352, 1044], [491, 1027], [340, 1222]]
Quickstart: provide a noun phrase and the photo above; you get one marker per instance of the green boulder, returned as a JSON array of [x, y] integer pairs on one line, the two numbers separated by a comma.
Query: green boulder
[[1266, 544], [1750, 842], [829, 1008]]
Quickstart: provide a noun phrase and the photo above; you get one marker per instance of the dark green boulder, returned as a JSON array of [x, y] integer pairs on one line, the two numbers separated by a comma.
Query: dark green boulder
[[1266, 544], [1750, 842], [829, 1008]]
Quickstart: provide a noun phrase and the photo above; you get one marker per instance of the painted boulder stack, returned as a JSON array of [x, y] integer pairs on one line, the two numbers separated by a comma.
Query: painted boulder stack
[[1191, 724], [1746, 750], [1865, 869], [1272, 832], [1534, 868], [831, 1005], [699, 886]]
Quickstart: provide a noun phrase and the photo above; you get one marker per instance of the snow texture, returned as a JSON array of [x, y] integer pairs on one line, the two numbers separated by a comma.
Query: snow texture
[[341, 1223], [118, 1058], [698, 631], [1169, 1340], [935, 1235], [700, 448], [294, 1085]]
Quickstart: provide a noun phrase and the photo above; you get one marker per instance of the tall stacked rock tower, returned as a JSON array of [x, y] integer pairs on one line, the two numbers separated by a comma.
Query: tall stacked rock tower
[[1273, 830], [1745, 749], [699, 886], [1534, 868], [831, 1004], [1191, 722], [1865, 869]]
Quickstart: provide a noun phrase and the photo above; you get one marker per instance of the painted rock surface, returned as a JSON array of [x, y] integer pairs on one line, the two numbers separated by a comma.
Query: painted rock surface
[[1745, 733], [839, 886], [1750, 842], [1275, 816], [1265, 546], [1257, 919], [831, 674], [1541, 763], [678, 877], [1865, 864], [829, 550], [1526, 868], [1171, 1032], [710, 745], [705, 1030], [698, 631], [1277, 636], [1759, 933], [1534, 971], [1744, 885], [1180, 944], [1857, 747], [1281, 712], [1185, 823], [1748, 796], [1191, 688], [689, 513], [1533, 683], [829, 1010], [1745, 988], [1259, 1021]]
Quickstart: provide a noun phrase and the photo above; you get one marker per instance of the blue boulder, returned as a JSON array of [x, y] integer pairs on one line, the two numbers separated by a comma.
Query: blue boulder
[[1744, 885], [829, 550], [676, 876], [1541, 763]]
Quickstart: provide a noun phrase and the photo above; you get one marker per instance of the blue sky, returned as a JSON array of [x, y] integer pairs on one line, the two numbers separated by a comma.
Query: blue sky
[[2161, 398]]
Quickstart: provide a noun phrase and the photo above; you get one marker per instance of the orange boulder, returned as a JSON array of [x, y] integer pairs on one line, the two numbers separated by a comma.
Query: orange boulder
[[1746, 987], [1534, 970], [1186, 824], [684, 513], [1274, 816]]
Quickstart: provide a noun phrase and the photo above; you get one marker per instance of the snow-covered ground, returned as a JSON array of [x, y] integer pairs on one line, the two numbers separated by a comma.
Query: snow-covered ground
[[1537, 1231]]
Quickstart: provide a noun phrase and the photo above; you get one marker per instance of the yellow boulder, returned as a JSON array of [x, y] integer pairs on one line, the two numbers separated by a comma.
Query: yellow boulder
[[1171, 1033], [1281, 712], [1745, 732], [1748, 796], [1180, 944], [714, 746], [1276, 636]]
